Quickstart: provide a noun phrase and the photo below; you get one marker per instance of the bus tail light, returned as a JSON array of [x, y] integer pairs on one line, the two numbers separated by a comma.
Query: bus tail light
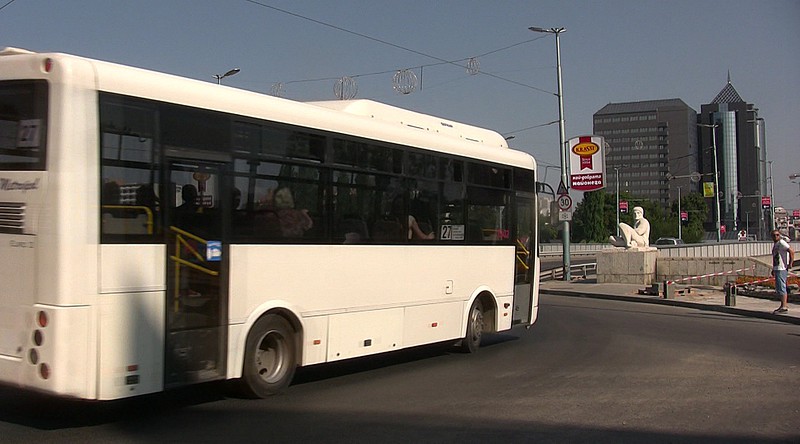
[[44, 371], [34, 355], [48, 64], [41, 319]]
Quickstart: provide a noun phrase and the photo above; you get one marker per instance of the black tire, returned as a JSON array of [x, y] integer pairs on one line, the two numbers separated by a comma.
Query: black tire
[[472, 340], [270, 357]]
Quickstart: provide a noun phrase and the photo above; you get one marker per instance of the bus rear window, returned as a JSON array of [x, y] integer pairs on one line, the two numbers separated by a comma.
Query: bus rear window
[[23, 124]]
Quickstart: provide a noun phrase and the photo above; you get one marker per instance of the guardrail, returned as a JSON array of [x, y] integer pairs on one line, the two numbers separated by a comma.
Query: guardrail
[[575, 249], [557, 274], [725, 249]]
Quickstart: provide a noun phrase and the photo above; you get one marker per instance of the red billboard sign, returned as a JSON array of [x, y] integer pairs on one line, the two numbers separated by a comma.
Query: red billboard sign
[[587, 163]]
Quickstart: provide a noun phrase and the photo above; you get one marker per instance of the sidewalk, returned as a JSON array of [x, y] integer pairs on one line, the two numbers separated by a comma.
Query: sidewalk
[[701, 297]]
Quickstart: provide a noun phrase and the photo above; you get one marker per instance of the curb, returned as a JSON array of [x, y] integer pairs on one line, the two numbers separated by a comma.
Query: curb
[[675, 303]]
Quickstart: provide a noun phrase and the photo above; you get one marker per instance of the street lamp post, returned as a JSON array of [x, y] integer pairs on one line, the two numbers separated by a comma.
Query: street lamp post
[[679, 213], [747, 222], [232, 72], [771, 198], [616, 185], [562, 140], [716, 173], [758, 130], [616, 190]]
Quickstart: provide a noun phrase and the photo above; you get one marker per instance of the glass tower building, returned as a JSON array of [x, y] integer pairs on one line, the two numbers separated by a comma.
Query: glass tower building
[[742, 161]]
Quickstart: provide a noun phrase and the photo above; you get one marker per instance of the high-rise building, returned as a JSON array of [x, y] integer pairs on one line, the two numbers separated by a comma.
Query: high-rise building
[[739, 134], [652, 148]]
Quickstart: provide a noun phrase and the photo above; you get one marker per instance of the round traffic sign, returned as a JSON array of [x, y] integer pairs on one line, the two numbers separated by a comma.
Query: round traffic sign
[[564, 202]]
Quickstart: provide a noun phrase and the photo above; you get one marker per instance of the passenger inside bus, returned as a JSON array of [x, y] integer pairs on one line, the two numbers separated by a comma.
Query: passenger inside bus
[[282, 217], [189, 197], [390, 227]]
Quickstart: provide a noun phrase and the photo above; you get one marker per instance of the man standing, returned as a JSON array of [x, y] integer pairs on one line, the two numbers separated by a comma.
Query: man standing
[[782, 260]]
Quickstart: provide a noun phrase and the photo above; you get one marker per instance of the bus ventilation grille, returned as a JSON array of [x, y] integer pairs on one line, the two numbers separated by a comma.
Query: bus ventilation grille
[[12, 217]]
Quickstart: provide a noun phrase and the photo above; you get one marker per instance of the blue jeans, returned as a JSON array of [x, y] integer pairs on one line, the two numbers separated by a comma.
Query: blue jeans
[[780, 281]]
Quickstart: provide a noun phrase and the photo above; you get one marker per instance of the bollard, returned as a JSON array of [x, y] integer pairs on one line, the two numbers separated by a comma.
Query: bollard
[[669, 289], [730, 295]]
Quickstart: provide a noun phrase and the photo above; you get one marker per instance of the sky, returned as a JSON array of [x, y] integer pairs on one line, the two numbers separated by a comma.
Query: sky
[[611, 51]]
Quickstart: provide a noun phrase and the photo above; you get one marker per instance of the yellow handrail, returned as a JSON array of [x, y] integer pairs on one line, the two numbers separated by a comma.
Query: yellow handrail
[[147, 211], [181, 241], [525, 253]]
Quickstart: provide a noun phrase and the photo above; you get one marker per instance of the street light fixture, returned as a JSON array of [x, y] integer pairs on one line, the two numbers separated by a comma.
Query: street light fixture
[[562, 139], [759, 131], [794, 177], [716, 173], [232, 72], [694, 177]]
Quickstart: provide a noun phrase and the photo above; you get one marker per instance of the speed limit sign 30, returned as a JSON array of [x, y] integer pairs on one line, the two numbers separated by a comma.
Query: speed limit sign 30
[[564, 202]]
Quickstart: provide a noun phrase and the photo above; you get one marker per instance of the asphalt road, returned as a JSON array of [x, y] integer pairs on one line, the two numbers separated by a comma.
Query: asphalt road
[[589, 371]]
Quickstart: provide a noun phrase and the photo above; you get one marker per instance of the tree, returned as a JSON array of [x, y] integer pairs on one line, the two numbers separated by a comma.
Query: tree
[[547, 232], [589, 219], [694, 204]]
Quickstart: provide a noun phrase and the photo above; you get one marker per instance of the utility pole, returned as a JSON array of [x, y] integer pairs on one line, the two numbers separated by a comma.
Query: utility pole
[[562, 140]]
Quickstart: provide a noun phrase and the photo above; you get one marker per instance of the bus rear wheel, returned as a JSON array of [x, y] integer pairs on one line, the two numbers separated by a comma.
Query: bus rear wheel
[[475, 323], [269, 357]]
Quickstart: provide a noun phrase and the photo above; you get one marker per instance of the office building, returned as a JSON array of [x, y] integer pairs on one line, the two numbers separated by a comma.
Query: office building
[[652, 148], [739, 134]]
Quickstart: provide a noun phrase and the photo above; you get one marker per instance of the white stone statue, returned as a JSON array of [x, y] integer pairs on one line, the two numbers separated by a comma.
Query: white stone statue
[[636, 236]]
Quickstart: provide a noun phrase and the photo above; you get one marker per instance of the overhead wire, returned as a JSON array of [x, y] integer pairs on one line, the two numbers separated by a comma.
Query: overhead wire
[[394, 45], [9, 2]]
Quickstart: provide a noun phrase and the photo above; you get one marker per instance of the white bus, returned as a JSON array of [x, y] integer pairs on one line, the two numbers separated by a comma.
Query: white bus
[[157, 231]]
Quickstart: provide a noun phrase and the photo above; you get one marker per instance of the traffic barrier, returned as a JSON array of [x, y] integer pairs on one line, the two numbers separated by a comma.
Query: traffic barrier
[[730, 289], [722, 273], [771, 278], [669, 286]]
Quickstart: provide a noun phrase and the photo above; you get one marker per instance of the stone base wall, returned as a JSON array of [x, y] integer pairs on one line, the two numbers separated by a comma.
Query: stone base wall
[[632, 266], [679, 268]]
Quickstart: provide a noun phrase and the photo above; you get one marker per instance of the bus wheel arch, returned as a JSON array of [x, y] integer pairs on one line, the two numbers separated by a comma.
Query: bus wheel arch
[[481, 318], [272, 353]]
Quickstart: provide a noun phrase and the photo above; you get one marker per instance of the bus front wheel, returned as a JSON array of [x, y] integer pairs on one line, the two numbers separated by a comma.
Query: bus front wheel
[[270, 357], [472, 339]]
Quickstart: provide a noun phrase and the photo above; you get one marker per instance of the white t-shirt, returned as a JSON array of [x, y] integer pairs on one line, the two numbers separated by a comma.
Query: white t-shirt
[[780, 255]]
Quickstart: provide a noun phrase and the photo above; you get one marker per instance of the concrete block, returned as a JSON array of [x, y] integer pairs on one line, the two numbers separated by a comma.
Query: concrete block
[[632, 266]]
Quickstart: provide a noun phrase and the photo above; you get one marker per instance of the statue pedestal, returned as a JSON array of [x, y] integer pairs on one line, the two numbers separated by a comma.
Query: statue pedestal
[[627, 266]]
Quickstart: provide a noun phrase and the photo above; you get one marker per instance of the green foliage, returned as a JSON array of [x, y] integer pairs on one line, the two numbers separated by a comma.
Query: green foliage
[[695, 205], [547, 232], [590, 220], [595, 217]]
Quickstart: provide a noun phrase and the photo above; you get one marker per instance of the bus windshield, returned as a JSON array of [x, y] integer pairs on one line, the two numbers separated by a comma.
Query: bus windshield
[[23, 124]]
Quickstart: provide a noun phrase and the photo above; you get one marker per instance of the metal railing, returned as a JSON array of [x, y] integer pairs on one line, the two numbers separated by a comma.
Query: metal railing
[[725, 249], [581, 270]]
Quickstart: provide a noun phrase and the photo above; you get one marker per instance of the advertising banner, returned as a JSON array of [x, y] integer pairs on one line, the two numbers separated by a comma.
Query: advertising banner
[[587, 163], [708, 189]]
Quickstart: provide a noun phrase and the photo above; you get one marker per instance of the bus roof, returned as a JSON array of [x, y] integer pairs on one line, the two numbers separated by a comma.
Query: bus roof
[[360, 118], [394, 115]]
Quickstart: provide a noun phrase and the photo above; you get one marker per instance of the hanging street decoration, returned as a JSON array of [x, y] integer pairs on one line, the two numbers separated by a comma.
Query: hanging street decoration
[[404, 81], [277, 90], [345, 88], [473, 66]]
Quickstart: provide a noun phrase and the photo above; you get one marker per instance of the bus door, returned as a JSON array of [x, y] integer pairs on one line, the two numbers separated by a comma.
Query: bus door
[[525, 226], [196, 290]]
